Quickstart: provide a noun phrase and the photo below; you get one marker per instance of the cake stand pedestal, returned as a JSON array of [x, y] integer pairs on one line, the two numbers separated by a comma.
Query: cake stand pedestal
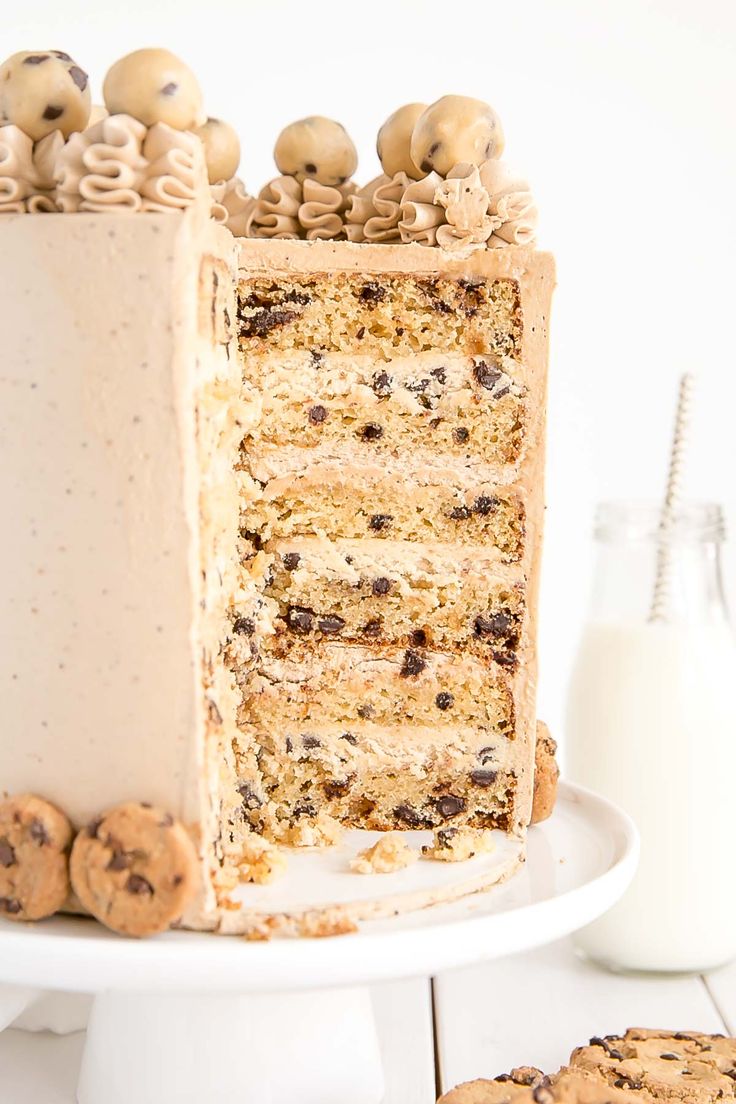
[[197, 1018]]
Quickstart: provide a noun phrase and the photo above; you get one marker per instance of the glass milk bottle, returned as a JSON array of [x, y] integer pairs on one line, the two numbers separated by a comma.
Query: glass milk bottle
[[651, 724]]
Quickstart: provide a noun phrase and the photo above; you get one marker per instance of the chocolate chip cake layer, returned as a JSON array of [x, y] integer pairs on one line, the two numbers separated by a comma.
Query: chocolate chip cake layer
[[465, 406], [391, 500], [381, 778], [375, 591]]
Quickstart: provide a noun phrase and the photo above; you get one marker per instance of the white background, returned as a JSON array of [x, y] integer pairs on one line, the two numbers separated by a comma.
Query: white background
[[622, 114]]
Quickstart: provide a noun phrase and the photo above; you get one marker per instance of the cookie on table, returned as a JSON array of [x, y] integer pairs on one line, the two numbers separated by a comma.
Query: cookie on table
[[515, 1087], [134, 869], [528, 1085], [35, 838], [671, 1066], [546, 775]]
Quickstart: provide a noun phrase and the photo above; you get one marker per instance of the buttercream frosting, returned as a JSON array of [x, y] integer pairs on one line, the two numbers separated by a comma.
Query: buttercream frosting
[[27, 170], [232, 206], [512, 202], [287, 208], [420, 215], [176, 171], [374, 212], [465, 201]]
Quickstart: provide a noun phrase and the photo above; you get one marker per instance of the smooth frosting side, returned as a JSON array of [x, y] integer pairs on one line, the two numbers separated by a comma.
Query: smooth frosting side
[[27, 171]]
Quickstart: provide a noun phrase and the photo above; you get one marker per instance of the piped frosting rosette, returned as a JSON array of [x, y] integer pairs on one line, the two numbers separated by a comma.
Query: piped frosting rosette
[[120, 165], [468, 224], [512, 203], [287, 208], [27, 171], [374, 212], [420, 215], [232, 206]]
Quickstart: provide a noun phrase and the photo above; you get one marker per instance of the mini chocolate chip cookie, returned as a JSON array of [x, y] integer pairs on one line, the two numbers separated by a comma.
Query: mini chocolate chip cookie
[[134, 869], [546, 774], [35, 838], [528, 1085]]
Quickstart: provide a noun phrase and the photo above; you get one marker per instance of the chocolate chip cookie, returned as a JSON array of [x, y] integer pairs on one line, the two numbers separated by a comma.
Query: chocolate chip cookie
[[35, 838], [134, 869], [546, 775]]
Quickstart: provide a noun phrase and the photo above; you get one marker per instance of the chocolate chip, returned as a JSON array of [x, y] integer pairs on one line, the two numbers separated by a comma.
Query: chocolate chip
[[445, 836], [671, 1057], [486, 375], [289, 744], [119, 861], [264, 320], [61, 55], [400, 331], [79, 77], [52, 112], [497, 625], [366, 711], [304, 808], [444, 700], [139, 886], [317, 357], [433, 149], [483, 777], [93, 827], [372, 627], [413, 664], [291, 560], [337, 787], [348, 736], [169, 89], [244, 626], [419, 638], [37, 59], [381, 585], [417, 386], [7, 853], [380, 521], [485, 504], [626, 1082], [10, 905], [213, 712], [411, 818], [434, 422], [460, 435], [504, 659], [300, 619], [486, 753], [361, 333], [610, 1051], [372, 292], [449, 806], [426, 166], [166, 821], [382, 384], [460, 513], [331, 624], [318, 414], [251, 800], [439, 374], [310, 742], [370, 432], [38, 833]]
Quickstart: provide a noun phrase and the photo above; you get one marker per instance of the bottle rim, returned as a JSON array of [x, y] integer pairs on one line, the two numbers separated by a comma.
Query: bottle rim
[[633, 521]]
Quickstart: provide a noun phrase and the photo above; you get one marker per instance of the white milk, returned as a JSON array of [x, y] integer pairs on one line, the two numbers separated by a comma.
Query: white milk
[[652, 725]]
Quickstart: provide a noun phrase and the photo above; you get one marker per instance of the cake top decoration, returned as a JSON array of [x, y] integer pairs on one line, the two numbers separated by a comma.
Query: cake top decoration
[[42, 91], [316, 148], [154, 86], [453, 130], [393, 144], [221, 149]]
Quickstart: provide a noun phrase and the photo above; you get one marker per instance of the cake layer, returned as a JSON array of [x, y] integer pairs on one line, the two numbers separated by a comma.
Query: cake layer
[[380, 778], [370, 500], [344, 684], [383, 591], [457, 405], [383, 315]]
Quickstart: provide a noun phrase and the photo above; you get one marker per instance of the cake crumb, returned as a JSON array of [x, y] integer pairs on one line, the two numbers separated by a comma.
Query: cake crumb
[[325, 922], [389, 854], [260, 862], [324, 831], [459, 844]]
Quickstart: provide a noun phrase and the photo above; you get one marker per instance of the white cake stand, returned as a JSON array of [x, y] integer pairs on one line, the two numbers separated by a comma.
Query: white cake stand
[[198, 1018]]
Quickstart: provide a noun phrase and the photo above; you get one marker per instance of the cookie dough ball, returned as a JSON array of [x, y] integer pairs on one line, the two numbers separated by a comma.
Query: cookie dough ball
[[318, 148], [394, 141], [154, 86], [42, 91], [35, 838], [455, 129], [546, 775], [135, 869], [221, 149]]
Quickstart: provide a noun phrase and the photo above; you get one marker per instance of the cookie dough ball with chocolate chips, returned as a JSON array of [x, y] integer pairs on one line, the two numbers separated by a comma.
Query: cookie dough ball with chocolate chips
[[394, 141], [134, 869], [42, 91], [154, 86], [318, 148], [35, 838], [455, 129], [221, 149]]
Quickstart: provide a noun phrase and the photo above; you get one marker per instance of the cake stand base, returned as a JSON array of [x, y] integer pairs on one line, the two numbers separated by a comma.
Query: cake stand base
[[190, 1018]]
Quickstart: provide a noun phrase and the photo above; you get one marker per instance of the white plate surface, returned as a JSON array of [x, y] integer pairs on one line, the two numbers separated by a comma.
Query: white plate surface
[[578, 864]]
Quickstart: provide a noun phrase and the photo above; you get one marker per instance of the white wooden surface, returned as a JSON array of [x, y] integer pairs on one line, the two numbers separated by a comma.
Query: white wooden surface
[[476, 1022]]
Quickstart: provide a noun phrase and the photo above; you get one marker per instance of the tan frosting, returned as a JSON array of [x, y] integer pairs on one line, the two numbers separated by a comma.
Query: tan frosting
[[287, 208], [374, 211], [512, 202], [420, 215], [27, 170], [232, 206], [466, 202], [120, 165]]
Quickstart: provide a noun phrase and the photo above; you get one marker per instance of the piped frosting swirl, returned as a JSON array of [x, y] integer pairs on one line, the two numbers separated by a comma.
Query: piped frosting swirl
[[232, 206], [287, 208], [420, 215], [27, 171], [374, 212], [466, 202], [512, 203]]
